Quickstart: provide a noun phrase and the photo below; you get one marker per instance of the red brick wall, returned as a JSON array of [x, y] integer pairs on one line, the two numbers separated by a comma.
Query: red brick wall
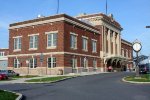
[[42, 43]]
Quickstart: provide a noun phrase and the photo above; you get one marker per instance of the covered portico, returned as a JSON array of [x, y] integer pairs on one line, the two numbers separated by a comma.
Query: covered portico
[[118, 63]]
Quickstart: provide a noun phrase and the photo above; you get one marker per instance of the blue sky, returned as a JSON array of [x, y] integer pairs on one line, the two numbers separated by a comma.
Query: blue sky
[[133, 15]]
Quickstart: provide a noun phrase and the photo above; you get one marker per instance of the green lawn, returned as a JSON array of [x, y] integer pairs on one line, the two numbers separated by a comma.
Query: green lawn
[[7, 95], [49, 79], [26, 76], [142, 78]]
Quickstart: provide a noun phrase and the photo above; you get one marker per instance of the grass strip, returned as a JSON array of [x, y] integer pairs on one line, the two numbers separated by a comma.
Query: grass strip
[[26, 76], [49, 79], [142, 78], [4, 95]]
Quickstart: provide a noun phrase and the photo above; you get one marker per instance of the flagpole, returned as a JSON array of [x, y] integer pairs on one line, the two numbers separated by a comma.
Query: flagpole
[[106, 7]]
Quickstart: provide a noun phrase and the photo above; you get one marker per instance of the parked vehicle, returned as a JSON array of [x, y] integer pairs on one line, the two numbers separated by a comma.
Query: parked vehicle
[[3, 76], [144, 68], [9, 73]]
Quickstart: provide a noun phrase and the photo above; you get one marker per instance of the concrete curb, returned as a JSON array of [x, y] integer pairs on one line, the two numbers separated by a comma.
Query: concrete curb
[[71, 76], [123, 79], [51, 81], [19, 94]]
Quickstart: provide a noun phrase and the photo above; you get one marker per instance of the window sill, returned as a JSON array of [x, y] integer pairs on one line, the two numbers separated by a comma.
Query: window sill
[[94, 52], [53, 47], [17, 68], [85, 50], [32, 49], [32, 68], [74, 48], [17, 50]]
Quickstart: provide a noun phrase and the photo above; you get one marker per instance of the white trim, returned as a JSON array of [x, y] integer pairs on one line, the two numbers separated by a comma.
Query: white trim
[[33, 34], [94, 40], [51, 32], [51, 47], [30, 49], [16, 50], [55, 20], [86, 27], [72, 33], [37, 23], [17, 37], [54, 53], [85, 37]]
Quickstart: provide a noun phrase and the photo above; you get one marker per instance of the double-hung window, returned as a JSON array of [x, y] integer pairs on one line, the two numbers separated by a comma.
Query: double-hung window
[[33, 42], [85, 63], [95, 64], [51, 40], [94, 46], [84, 43], [17, 43], [51, 62], [16, 63], [33, 63], [2, 53], [73, 40], [74, 63]]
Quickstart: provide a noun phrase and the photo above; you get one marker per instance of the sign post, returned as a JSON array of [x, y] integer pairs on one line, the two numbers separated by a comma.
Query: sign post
[[137, 47], [41, 61]]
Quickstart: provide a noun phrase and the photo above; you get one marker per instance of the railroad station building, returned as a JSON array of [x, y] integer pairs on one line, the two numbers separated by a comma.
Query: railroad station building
[[62, 44]]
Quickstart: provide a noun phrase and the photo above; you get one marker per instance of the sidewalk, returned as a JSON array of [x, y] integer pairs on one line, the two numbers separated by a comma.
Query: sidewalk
[[22, 80]]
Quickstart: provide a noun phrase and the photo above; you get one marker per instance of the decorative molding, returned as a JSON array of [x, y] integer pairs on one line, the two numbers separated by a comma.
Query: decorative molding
[[51, 32], [52, 53], [55, 20]]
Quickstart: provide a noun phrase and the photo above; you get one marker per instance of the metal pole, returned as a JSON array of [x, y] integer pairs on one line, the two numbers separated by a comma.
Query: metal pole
[[137, 68]]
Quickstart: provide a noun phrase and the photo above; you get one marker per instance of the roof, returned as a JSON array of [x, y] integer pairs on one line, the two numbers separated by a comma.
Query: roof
[[125, 41], [64, 17], [106, 17]]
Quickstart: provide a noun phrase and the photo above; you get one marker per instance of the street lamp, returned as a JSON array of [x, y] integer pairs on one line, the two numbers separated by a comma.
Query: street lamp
[[137, 47]]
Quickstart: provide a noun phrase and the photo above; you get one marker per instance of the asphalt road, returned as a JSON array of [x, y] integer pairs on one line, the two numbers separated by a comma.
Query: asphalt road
[[95, 87]]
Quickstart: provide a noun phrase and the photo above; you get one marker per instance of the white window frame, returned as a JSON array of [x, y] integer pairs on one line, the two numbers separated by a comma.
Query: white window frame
[[2, 54], [95, 64], [34, 42], [85, 63], [52, 62], [53, 44], [84, 43], [16, 62], [73, 44], [94, 45], [74, 63], [17, 43], [33, 64]]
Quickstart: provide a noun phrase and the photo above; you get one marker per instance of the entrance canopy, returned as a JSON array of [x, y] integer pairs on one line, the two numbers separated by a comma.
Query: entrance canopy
[[116, 60]]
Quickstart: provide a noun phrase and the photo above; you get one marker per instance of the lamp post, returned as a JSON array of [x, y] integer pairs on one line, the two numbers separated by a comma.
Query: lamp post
[[149, 59], [137, 47]]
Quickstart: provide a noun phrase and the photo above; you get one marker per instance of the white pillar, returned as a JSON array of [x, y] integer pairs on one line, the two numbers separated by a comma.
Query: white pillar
[[109, 45], [114, 43]]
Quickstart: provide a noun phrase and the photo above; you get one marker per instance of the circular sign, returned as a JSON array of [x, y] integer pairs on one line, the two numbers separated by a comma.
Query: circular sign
[[137, 46]]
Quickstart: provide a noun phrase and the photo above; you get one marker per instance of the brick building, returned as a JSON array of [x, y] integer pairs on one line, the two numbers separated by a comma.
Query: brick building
[[3, 58], [63, 44]]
